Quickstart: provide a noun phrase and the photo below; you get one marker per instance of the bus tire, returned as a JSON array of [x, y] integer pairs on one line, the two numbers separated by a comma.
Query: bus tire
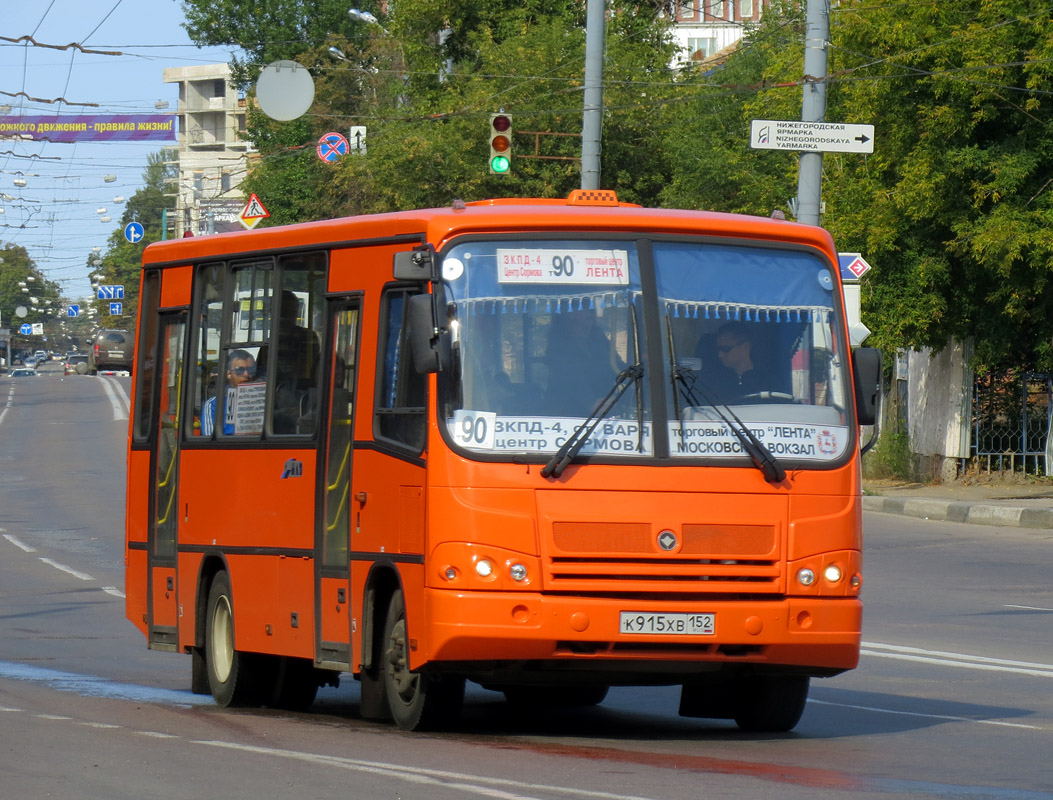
[[771, 703], [417, 700], [230, 672]]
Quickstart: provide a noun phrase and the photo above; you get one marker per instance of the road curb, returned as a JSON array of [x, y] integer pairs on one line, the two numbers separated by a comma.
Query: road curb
[[959, 511]]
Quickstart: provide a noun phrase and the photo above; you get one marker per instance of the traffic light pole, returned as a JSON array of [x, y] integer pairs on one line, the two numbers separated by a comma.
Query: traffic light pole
[[813, 109], [592, 118]]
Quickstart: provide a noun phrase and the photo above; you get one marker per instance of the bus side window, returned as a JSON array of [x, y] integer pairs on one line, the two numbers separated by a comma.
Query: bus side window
[[401, 390], [297, 364], [205, 362]]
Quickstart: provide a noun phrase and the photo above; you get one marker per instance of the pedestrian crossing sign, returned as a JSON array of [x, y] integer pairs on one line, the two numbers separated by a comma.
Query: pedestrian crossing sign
[[254, 211]]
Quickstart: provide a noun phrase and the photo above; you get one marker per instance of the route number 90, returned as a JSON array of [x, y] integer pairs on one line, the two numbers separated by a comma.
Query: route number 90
[[474, 428]]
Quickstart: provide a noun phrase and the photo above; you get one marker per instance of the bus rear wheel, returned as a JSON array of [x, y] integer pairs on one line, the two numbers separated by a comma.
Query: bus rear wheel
[[231, 676], [417, 700]]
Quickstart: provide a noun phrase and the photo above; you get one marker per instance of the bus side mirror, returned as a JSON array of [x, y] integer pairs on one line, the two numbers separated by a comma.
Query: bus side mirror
[[866, 369], [414, 265], [429, 344]]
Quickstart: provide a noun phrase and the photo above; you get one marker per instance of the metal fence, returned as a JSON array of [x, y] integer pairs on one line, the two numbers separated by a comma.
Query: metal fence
[[1011, 422]]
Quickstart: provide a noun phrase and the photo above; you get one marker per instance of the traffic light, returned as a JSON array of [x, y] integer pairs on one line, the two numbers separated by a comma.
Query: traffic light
[[500, 143]]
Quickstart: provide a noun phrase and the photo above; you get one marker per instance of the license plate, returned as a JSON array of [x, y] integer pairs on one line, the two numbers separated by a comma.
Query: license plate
[[640, 622]]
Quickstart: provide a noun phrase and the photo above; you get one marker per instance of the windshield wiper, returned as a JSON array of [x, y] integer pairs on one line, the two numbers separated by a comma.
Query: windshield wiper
[[759, 454], [570, 449]]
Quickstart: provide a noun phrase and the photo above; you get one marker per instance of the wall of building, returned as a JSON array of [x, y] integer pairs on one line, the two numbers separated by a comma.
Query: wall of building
[[939, 410]]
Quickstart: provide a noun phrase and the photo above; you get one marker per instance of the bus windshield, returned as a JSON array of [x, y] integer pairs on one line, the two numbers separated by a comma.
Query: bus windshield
[[544, 330]]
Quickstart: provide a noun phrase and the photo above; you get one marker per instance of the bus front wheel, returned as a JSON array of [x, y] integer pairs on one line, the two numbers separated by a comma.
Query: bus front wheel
[[418, 701], [771, 703], [230, 673]]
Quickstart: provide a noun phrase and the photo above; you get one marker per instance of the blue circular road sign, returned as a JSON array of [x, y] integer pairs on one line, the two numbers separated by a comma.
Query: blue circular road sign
[[331, 146], [25, 329], [133, 232]]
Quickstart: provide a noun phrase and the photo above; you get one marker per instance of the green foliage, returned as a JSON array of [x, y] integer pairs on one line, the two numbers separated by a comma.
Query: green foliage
[[952, 208], [16, 267], [425, 80], [121, 263], [890, 457]]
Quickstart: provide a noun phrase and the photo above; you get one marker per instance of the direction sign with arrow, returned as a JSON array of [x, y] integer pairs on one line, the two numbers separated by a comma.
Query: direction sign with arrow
[[826, 137]]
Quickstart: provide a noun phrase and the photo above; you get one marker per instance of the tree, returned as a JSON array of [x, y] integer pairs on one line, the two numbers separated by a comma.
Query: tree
[[425, 79], [23, 285], [954, 206], [121, 264]]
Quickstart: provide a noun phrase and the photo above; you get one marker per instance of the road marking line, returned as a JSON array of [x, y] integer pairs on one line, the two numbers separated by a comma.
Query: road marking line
[[927, 716], [966, 665], [114, 591], [957, 659], [419, 775], [1028, 608], [82, 575], [20, 544], [117, 398], [58, 717], [157, 735]]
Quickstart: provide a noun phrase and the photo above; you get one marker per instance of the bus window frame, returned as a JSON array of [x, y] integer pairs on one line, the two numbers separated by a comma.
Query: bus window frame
[[146, 389], [652, 315], [380, 407]]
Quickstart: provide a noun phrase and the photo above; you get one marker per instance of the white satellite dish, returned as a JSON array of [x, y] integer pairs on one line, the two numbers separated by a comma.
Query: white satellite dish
[[285, 90]]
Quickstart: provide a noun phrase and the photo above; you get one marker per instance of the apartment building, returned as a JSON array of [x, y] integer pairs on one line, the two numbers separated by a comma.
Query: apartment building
[[210, 161], [705, 28]]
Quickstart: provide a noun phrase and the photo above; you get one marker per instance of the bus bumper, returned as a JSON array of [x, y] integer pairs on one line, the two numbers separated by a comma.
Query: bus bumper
[[817, 636]]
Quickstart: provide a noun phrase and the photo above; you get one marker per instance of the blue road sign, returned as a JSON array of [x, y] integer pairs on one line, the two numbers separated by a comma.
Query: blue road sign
[[73, 310], [331, 146], [111, 292], [115, 309], [133, 232], [852, 265], [25, 329]]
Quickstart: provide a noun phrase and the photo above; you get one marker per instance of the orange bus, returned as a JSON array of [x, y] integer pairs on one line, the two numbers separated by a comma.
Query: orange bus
[[546, 445]]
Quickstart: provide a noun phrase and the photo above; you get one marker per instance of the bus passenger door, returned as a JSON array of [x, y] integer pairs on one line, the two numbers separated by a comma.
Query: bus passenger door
[[162, 608], [333, 523]]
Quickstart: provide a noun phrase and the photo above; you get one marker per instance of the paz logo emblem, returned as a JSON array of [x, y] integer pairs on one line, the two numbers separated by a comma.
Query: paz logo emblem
[[667, 540]]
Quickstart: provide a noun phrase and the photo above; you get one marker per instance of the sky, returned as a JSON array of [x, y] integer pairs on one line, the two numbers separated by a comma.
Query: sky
[[55, 215]]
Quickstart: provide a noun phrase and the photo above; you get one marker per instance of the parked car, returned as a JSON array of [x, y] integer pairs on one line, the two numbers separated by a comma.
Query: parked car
[[76, 363], [110, 349]]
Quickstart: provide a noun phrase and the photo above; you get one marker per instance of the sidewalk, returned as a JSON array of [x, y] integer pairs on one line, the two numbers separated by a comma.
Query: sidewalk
[[1014, 502]]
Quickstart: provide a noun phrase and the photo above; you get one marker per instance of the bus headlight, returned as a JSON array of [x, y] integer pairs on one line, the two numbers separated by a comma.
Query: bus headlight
[[832, 573], [805, 577], [484, 568], [518, 572]]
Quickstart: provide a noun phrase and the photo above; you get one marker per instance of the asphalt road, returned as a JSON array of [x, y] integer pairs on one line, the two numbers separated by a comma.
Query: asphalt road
[[952, 698]]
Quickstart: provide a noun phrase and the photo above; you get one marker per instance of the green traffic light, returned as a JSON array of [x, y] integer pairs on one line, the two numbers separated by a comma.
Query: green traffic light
[[500, 164]]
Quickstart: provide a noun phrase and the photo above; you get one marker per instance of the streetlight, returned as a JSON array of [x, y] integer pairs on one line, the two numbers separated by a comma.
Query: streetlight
[[362, 16]]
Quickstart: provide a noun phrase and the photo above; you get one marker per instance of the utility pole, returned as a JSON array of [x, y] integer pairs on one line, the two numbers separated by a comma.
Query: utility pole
[[813, 108], [592, 118]]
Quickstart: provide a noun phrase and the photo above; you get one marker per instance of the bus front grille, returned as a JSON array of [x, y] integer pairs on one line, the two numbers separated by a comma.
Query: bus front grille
[[628, 556]]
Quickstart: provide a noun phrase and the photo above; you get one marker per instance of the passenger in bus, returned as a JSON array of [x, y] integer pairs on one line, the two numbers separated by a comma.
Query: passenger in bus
[[241, 368], [296, 369]]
